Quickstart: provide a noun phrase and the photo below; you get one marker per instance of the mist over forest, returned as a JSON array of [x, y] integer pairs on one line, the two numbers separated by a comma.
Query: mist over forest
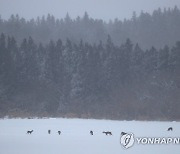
[[89, 68], [157, 29]]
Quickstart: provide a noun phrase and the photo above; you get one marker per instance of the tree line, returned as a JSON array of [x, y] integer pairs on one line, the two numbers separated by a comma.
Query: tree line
[[102, 80], [156, 29]]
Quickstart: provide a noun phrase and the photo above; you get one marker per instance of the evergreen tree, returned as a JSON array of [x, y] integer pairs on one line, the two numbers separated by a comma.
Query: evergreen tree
[[163, 61]]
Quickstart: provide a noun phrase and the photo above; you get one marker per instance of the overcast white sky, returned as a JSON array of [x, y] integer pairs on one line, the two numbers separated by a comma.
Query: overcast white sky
[[103, 9]]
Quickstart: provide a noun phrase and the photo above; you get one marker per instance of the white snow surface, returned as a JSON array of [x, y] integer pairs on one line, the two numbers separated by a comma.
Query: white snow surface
[[76, 139]]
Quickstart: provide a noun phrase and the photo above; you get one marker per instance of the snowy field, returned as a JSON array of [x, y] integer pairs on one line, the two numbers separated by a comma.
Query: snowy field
[[76, 139]]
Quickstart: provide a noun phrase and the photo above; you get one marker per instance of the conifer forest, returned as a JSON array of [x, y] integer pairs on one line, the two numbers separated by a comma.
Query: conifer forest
[[89, 68]]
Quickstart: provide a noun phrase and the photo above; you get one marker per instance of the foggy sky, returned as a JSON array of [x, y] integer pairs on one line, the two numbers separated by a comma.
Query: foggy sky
[[101, 9]]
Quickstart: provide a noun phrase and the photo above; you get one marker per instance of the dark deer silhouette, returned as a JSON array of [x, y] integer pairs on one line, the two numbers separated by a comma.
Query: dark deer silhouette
[[170, 129], [29, 131], [49, 131], [91, 132], [59, 132], [107, 133]]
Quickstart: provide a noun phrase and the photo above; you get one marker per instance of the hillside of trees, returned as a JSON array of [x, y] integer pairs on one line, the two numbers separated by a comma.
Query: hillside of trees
[[87, 68], [157, 29], [89, 81]]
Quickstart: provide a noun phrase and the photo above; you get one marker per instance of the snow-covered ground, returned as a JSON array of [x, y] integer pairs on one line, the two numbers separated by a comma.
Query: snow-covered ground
[[76, 139]]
